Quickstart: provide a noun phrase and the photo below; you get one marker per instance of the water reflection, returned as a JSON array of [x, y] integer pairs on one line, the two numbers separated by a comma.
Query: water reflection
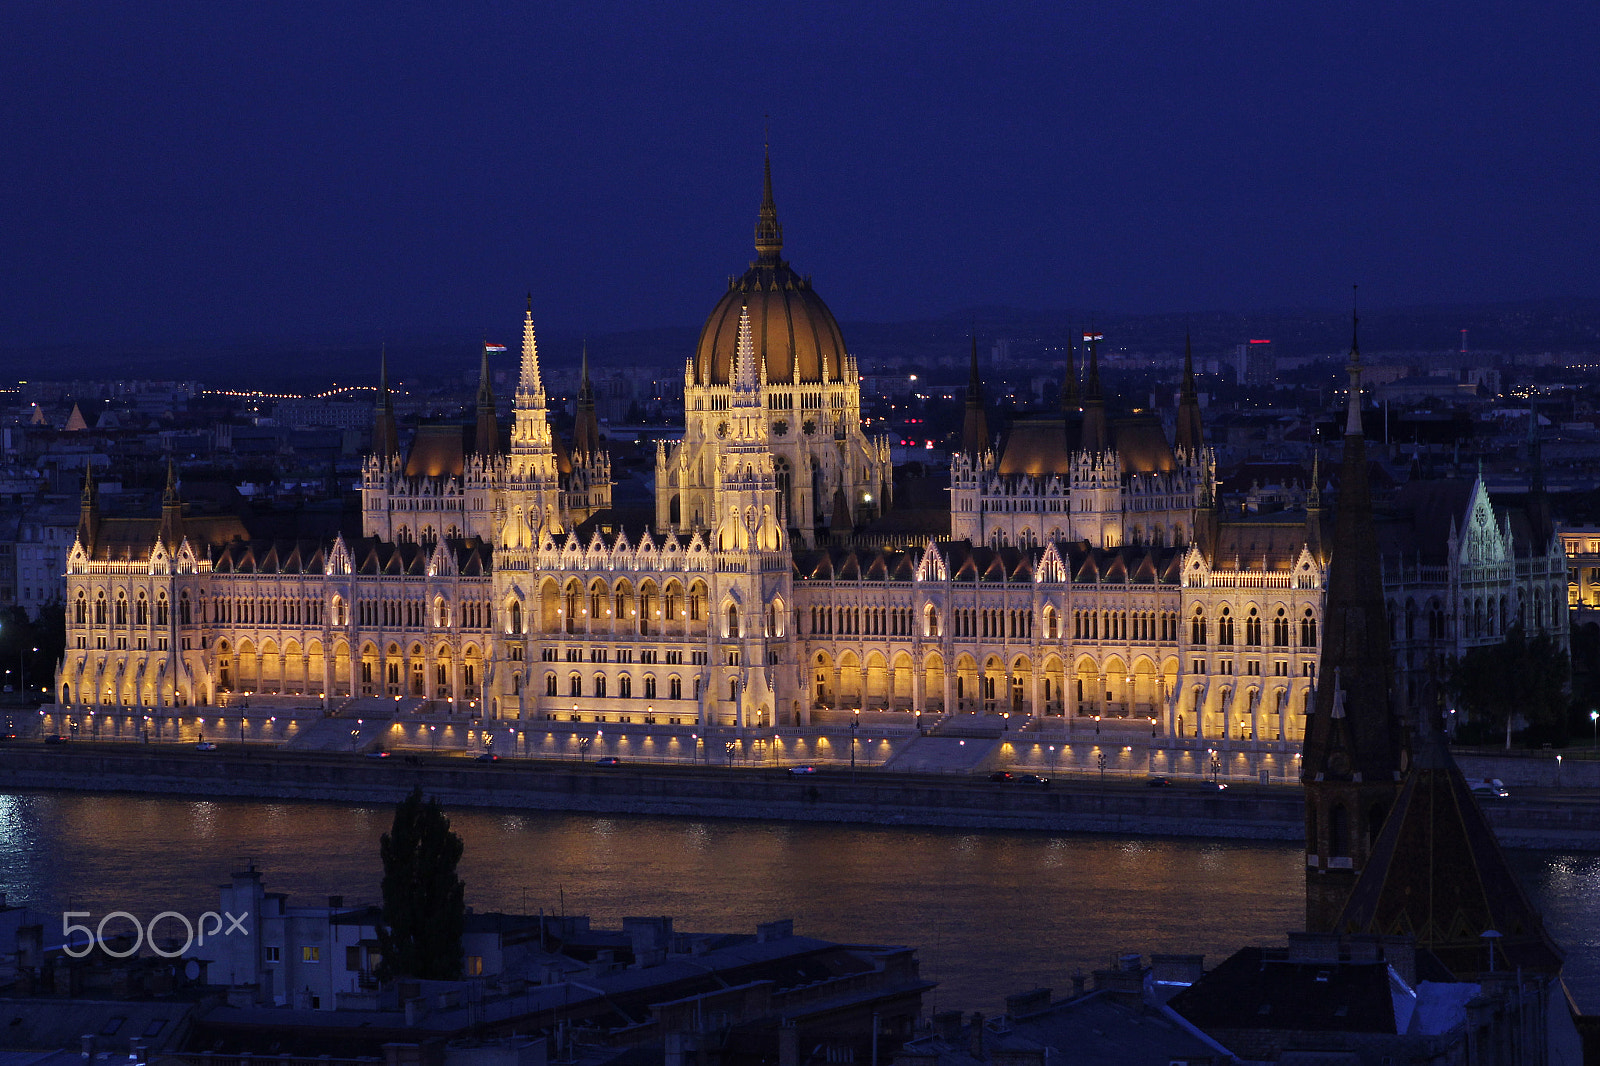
[[991, 913]]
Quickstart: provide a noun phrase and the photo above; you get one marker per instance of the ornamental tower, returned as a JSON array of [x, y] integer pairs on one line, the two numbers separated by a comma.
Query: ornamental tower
[[1355, 752]]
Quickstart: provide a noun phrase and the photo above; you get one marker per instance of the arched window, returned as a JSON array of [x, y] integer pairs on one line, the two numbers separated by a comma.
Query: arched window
[[122, 610], [100, 609], [574, 685], [161, 610], [1338, 832], [930, 621], [141, 612], [549, 684], [1280, 629], [733, 620], [80, 613], [600, 685], [514, 616], [650, 688], [1197, 628], [1225, 628], [1308, 630], [675, 688], [625, 687]]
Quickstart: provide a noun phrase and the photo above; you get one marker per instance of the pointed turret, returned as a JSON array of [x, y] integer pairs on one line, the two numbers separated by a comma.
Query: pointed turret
[[529, 383], [1355, 749], [486, 440], [975, 425], [769, 233], [1096, 438], [1314, 533], [585, 426], [171, 511], [1190, 435], [385, 434], [88, 510]]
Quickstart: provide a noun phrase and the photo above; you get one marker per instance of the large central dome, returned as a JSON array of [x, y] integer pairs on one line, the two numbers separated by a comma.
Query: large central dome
[[794, 331]]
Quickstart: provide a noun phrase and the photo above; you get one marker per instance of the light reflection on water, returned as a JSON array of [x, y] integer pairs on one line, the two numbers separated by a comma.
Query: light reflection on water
[[991, 913]]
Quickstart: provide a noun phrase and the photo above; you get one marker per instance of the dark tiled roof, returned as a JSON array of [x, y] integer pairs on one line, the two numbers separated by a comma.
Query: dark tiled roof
[[1254, 990]]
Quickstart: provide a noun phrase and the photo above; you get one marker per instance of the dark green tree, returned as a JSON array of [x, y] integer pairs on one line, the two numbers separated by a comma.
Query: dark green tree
[[424, 905], [1496, 683]]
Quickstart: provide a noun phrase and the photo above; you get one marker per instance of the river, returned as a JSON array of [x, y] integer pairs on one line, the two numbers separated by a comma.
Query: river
[[991, 913]]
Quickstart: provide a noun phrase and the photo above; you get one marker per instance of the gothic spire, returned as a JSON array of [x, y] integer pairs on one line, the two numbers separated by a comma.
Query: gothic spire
[[385, 434], [487, 438], [1095, 436], [171, 511], [769, 233], [585, 425], [88, 510], [975, 424], [1355, 748], [1191, 436], [745, 374], [529, 383]]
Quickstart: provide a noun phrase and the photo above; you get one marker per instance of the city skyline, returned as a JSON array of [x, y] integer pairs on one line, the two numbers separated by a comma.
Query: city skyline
[[201, 172]]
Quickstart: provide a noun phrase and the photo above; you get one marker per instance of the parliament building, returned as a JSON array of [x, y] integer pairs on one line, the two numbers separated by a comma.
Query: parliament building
[[1085, 571]]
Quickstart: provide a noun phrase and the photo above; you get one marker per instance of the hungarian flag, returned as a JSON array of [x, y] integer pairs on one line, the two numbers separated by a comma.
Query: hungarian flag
[[494, 347]]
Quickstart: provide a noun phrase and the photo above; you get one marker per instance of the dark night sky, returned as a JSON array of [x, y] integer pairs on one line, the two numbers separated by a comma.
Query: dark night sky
[[216, 169]]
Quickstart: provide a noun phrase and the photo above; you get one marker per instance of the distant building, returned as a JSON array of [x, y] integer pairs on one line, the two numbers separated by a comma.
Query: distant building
[[1255, 363]]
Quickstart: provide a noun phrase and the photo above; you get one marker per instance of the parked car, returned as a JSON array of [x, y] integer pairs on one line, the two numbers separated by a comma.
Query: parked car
[[205, 745], [802, 771], [1157, 782], [55, 738], [1491, 787], [486, 756], [609, 760], [1000, 775]]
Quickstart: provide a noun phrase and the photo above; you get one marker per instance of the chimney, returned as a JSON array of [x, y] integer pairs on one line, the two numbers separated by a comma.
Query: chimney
[[976, 1035], [1079, 981], [788, 1044], [90, 1048], [947, 1024]]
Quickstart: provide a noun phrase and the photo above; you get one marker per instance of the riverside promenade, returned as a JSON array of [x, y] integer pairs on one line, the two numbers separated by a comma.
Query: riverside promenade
[[869, 771]]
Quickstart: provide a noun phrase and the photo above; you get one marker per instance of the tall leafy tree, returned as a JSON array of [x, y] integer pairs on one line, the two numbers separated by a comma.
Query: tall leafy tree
[[1497, 683], [424, 906]]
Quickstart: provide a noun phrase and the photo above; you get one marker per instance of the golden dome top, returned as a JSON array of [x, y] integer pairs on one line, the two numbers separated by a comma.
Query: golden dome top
[[795, 334]]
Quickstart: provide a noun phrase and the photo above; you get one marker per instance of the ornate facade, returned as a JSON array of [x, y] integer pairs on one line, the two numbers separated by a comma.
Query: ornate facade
[[1086, 571]]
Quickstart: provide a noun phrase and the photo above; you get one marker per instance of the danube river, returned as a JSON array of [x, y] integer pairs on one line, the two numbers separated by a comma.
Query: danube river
[[991, 913]]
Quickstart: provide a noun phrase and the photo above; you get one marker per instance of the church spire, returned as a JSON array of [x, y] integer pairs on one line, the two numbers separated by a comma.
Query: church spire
[[88, 510], [585, 425], [385, 435], [487, 438], [529, 383], [1355, 748], [1191, 436], [1095, 436], [975, 425], [171, 511], [769, 233]]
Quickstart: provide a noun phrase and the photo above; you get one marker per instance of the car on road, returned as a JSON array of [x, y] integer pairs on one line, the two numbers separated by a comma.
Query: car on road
[[802, 771], [486, 756], [1000, 775], [1157, 782], [609, 760], [1491, 787], [1035, 780], [377, 754], [1214, 786], [55, 738], [205, 745]]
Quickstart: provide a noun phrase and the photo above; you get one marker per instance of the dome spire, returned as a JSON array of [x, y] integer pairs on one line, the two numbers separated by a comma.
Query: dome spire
[[769, 234]]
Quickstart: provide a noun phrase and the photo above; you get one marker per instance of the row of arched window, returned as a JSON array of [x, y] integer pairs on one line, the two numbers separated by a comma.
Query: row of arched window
[[1280, 630], [599, 685]]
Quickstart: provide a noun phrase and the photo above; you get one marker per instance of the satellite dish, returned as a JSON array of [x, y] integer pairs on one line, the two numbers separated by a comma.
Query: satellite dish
[[191, 970]]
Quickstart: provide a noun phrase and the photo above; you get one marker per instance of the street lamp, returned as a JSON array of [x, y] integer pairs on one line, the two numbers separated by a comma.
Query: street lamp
[[1594, 716], [855, 724]]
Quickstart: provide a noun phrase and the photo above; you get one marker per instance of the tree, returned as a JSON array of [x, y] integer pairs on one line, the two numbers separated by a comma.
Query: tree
[[1497, 683], [424, 906]]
